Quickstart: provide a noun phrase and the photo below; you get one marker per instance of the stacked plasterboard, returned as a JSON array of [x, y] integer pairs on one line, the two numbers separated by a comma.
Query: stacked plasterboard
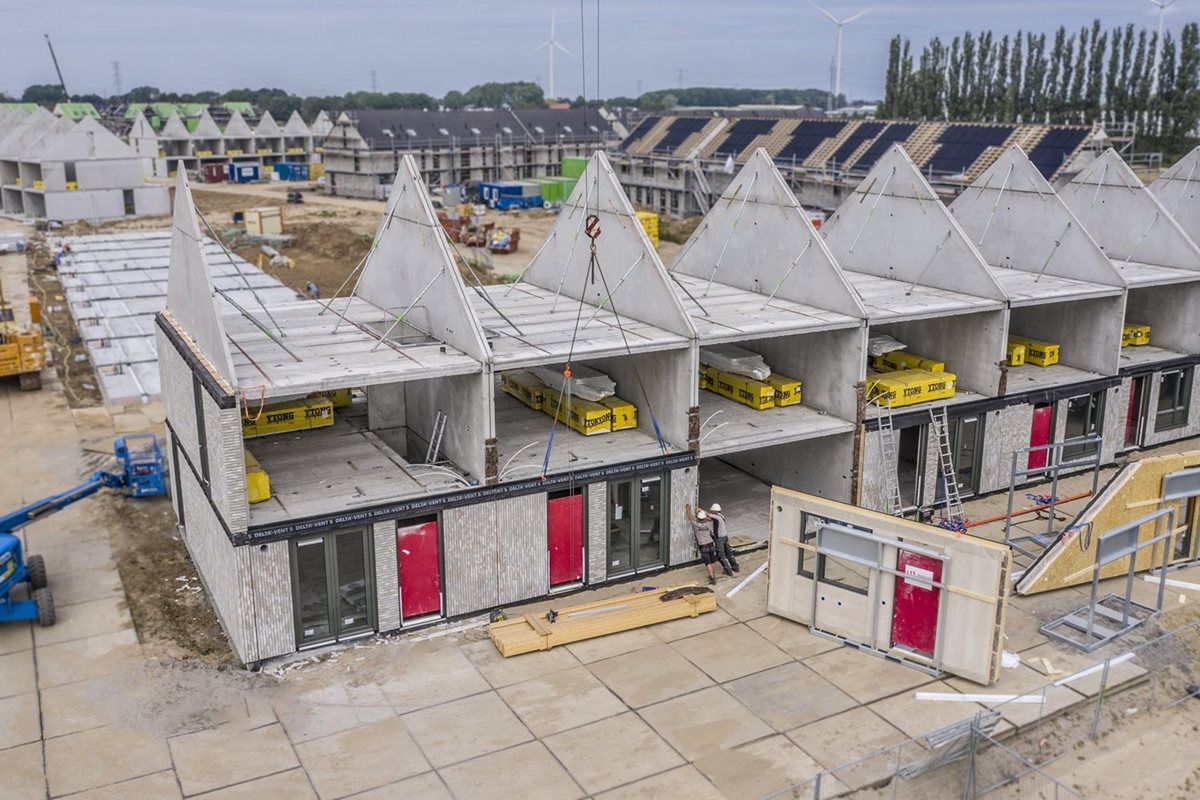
[[115, 283]]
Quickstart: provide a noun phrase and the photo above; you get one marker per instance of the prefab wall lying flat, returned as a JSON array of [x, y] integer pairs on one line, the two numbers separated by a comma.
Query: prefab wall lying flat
[[967, 631]]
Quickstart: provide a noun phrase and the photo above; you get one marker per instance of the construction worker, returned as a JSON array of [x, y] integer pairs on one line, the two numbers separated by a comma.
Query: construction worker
[[312, 291], [702, 530], [721, 540]]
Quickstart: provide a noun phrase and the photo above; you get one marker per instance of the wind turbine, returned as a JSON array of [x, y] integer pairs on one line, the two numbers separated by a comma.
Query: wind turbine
[[836, 89], [549, 46], [1162, 10]]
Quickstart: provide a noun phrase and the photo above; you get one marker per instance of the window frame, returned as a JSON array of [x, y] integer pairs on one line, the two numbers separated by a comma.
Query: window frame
[[1094, 420], [808, 533], [1177, 416]]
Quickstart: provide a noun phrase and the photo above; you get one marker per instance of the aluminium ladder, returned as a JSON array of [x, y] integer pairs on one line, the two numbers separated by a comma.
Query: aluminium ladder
[[891, 459], [435, 438], [946, 470]]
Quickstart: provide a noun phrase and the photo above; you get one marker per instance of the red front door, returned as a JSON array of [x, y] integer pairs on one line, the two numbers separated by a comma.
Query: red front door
[[420, 583], [915, 606], [564, 537], [1039, 434]]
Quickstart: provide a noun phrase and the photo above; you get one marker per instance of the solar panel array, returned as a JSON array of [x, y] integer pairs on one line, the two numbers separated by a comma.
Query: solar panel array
[[741, 133], [806, 138], [641, 130], [1055, 147], [896, 132], [864, 131], [680, 129], [962, 145]]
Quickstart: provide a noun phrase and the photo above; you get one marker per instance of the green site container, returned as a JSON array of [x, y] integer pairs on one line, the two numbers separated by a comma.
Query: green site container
[[568, 186], [551, 189], [573, 167]]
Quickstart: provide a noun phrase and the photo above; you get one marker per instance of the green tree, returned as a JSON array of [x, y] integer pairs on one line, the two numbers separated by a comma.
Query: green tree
[[454, 100], [46, 94], [891, 82], [1079, 82]]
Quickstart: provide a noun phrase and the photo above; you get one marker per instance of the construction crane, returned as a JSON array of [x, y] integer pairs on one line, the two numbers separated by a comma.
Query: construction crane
[[62, 84]]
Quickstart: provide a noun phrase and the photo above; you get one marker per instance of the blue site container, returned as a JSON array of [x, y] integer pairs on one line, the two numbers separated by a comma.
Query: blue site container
[[510, 194], [243, 173], [291, 172]]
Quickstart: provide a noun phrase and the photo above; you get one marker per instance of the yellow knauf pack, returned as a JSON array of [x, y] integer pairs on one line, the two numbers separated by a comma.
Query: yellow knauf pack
[[294, 415], [258, 483], [339, 397], [902, 359], [1134, 335], [1015, 354], [910, 386], [708, 378], [747, 391], [624, 413], [525, 386], [1037, 352], [787, 390], [581, 416]]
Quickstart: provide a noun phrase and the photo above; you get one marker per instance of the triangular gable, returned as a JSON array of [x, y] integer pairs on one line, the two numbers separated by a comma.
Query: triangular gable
[[1017, 221], [191, 299], [141, 128], [344, 135], [1178, 189], [411, 263], [295, 126], [174, 128], [760, 227], [646, 294], [206, 127], [237, 127], [322, 125], [1125, 219], [267, 126], [26, 133], [894, 226], [36, 150], [89, 139]]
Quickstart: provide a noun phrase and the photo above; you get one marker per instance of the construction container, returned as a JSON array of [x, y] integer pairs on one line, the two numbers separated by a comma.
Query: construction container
[[258, 483], [287, 417], [1038, 353], [551, 190], [264, 222], [1134, 335], [525, 386], [244, 173], [649, 221], [573, 167], [504, 195], [624, 413], [1015, 354], [581, 416], [340, 398], [213, 173], [902, 359], [910, 386], [747, 391], [787, 390], [291, 172]]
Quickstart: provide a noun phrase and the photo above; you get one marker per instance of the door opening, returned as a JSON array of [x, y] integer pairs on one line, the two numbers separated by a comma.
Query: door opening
[[419, 567], [333, 583], [915, 604], [637, 517], [564, 537]]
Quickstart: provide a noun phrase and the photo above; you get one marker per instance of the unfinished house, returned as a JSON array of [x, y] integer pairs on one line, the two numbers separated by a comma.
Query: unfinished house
[[782, 340], [268, 140], [238, 139], [1178, 190], [297, 139], [176, 145], [1066, 311], [913, 593], [1160, 265], [144, 140], [19, 135], [208, 142], [938, 322]]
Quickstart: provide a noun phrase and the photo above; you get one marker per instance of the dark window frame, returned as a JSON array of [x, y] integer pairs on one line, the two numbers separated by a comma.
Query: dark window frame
[[1177, 415]]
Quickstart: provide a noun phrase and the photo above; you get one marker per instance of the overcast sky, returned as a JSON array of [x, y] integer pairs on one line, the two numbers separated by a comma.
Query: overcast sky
[[332, 46]]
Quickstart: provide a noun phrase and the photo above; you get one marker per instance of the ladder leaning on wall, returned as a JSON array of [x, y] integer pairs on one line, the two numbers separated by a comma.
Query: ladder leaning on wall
[[955, 515], [891, 461]]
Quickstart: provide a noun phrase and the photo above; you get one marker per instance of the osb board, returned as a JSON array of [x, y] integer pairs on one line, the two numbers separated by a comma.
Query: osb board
[[1134, 492], [976, 577]]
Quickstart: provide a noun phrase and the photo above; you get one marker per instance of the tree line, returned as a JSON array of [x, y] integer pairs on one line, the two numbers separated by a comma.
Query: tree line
[[1077, 77]]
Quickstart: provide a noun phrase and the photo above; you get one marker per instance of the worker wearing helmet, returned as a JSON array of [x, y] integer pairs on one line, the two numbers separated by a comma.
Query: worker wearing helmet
[[721, 540], [702, 530]]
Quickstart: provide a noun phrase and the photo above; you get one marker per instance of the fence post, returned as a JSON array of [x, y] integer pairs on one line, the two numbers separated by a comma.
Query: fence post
[[817, 787], [1100, 699], [969, 776]]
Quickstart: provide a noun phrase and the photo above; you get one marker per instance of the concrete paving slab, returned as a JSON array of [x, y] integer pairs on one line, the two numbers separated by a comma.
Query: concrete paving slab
[[444, 740], [329, 709], [292, 785], [429, 673], [22, 770], [702, 723], [762, 769], [612, 752], [506, 775], [650, 675], [790, 695], [57, 534], [561, 700], [1021, 630], [749, 603], [19, 674], [103, 756], [500, 671], [362, 758], [81, 620], [681, 782], [690, 626], [78, 706], [15, 636], [1022, 679], [863, 676], [915, 718], [728, 653], [220, 757], [19, 720], [614, 644], [791, 637], [82, 587], [63, 559], [88, 658], [427, 786], [849, 737], [1071, 661], [160, 786]]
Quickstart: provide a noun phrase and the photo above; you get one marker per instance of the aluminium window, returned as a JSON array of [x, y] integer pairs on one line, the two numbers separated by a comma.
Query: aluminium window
[[1174, 398], [835, 571], [1085, 418]]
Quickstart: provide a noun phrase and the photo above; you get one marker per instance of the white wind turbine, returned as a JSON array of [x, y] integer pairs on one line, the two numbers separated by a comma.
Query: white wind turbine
[[836, 88], [1162, 10], [549, 46]]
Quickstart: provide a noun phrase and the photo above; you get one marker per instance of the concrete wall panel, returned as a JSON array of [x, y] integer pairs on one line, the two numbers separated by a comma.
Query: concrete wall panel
[[596, 497], [470, 540], [271, 584], [523, 558], [387, 576], [684, 490]]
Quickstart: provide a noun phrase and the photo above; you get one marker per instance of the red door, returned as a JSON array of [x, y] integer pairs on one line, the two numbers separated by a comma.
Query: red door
[[564, 537], [915, 607], [420, 583], [1039, 434]]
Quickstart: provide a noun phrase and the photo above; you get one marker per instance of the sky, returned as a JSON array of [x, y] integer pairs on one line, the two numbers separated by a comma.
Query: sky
[[328, 47]]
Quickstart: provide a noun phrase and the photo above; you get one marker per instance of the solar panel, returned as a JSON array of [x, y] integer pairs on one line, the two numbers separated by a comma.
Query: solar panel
[[865, 131], [896, 132], [806, 138], [1054, 148], [680, 129], [962, 145], [741, 134], [640, 131]]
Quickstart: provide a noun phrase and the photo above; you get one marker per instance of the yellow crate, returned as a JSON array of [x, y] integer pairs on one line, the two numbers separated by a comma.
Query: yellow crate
[[902, 359], [1015, 354], [1134, 335], [293, 415], [747, 391], [624, 413], [295, 150], [582, 416], [649, 222], [787, 390], [1037, 352], [72, 186], [39, 184], [204, 152], [265, 151], [910, 386], [525, 386], [258, 483], [234, 151], [339, 397]]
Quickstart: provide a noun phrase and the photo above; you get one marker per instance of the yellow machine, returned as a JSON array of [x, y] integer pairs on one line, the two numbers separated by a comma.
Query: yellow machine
[[22, 352]]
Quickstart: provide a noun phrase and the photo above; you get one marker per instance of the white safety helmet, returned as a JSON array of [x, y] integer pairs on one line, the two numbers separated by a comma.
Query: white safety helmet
[[701, 514], [715, 508]]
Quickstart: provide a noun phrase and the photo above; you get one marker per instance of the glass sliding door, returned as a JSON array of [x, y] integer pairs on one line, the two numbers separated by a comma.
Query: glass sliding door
[[620, 527], [311, 587], [650, 523], [353, 600], [333, 583], [637, 520], [967, 448]]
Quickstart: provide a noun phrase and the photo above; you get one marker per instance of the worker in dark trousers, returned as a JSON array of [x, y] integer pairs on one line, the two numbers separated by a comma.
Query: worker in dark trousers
[[702, 530], [721, 540]]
